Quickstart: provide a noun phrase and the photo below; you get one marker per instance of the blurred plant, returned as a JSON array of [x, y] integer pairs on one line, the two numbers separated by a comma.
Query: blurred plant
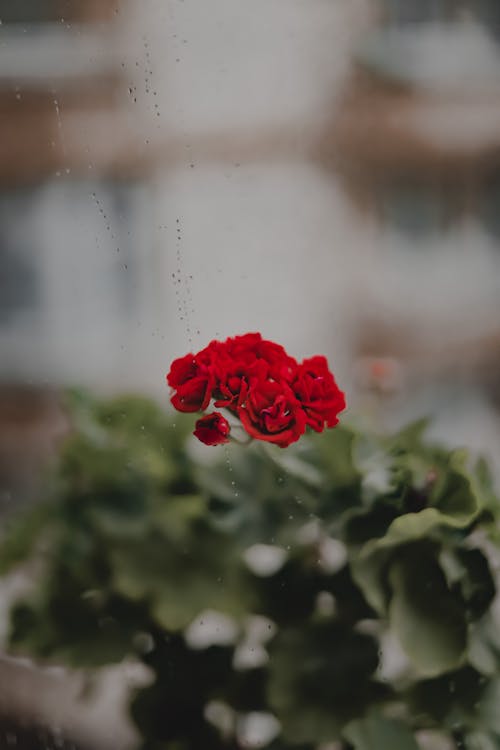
[[342, 591]]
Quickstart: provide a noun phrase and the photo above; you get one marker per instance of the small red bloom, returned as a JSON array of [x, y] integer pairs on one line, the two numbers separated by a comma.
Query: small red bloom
[[212, 429], [251, 348], [192, 378], [233, 377], [317, 391], [272, 413]]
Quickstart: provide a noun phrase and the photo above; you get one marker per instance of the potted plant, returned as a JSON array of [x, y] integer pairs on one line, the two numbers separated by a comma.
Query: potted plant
[[321, 588]]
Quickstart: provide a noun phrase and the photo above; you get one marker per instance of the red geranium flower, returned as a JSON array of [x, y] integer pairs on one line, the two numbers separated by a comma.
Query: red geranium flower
[[252, 347], [317, 391], [272, 413], [233, 377], [212, 429], [193, 379]]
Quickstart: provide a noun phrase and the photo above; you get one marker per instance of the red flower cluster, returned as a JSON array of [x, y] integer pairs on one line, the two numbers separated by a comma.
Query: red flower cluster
[[274, 397]]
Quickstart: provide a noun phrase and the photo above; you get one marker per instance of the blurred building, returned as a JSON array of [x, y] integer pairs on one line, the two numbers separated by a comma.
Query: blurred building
[[74, 235], [415, 143], [73, 199], [74, 228]]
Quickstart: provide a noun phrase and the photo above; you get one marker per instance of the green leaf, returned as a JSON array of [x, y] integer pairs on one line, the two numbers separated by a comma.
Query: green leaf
[[178, 603], [427, 617], [377, 733], [455, 497], [370, 565], [410, 436], [362, 526], [484, 645], [179, 573], [481, 741], [332, 452], [485, 485], [21, 535], [413, 526], [449, 701], [487, 707], [320, 678], [66, 626], [468, 570]]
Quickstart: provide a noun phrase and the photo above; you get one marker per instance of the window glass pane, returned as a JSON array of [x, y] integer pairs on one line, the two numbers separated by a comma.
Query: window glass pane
[[401, 12], [418, 11]]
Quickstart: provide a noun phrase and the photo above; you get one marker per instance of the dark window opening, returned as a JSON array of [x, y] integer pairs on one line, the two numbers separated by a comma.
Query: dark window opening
[[489, 206], [31, 11], [402, 12], [19, 281], [417, 208]]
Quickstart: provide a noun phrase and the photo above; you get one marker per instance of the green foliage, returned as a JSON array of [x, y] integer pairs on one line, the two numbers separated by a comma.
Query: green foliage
[[377, 732], [320, 678], [140, 546]]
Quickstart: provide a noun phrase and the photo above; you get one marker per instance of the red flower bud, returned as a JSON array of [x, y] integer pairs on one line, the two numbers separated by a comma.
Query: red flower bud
[[212, 429]]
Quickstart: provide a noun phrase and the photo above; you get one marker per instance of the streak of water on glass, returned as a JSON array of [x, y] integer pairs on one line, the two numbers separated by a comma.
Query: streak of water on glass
[[60, 125], [182, 279], [230, 469]]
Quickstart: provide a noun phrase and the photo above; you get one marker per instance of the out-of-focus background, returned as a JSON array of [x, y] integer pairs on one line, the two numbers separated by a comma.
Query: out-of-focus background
[[172, 171]]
